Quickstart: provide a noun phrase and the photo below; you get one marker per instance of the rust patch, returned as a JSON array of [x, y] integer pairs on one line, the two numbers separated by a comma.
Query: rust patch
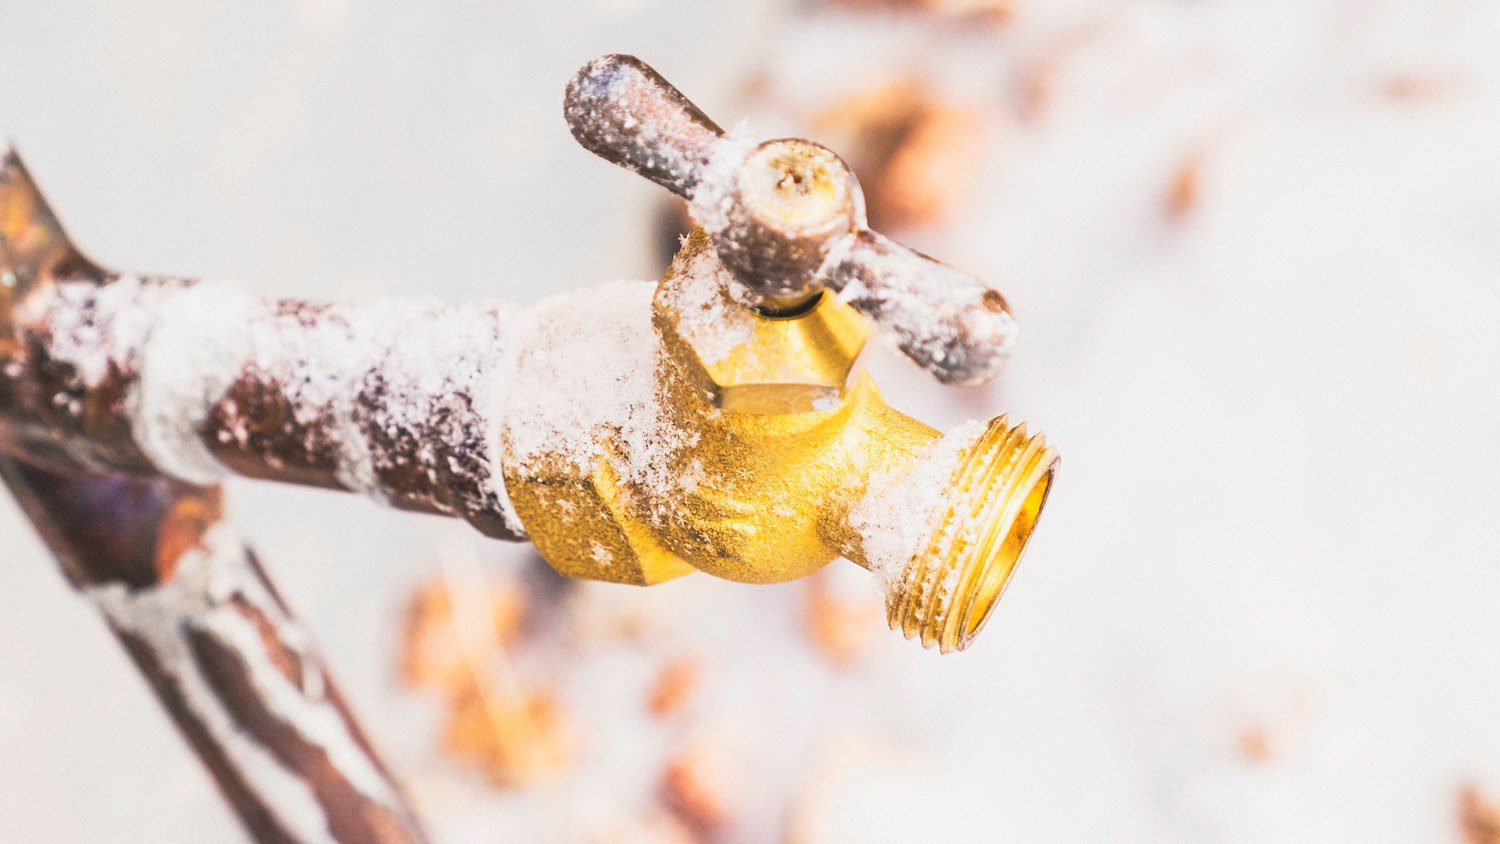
[[182, 529], [352, 815]]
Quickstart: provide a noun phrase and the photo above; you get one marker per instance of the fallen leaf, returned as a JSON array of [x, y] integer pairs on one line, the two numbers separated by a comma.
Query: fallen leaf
[[435, 654], [841, 626], [1478, 818], [515, 741], [675, 686]]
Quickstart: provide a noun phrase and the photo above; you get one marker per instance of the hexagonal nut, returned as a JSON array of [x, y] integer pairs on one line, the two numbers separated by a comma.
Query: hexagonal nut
[[582, 524], [745, 361]]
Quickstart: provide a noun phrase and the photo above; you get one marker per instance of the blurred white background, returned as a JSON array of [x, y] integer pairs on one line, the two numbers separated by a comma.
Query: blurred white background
[[1278, 516]]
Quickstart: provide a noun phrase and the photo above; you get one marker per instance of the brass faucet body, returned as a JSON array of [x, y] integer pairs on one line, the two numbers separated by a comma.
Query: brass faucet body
[[783, 443], [778, 444]]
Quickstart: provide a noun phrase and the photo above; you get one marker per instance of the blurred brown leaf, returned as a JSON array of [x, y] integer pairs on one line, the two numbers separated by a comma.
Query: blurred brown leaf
[[1037, 83], [1255, 744], [516, 740], [698, 786], [657, 828], [1478, 818], [914, 155], [988, 12], [1417, 88], [675, 686], [841, 626], [434, 655], [924, 180], [1185, 188]]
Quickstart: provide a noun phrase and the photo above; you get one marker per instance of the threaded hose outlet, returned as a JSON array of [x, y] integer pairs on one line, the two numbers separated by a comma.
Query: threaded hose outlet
[[946, 535]]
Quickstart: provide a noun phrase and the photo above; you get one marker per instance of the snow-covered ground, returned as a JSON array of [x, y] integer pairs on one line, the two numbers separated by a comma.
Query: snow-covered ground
[[1278, 516]]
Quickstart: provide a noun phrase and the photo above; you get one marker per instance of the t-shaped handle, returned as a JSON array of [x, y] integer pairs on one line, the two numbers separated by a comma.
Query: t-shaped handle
[[787, 217]]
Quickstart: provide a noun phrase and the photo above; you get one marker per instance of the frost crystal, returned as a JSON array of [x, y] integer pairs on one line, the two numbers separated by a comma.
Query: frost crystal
[[199, 339], [585, 366], [900, 510], [713, 196], [403, 389], [713, 323]]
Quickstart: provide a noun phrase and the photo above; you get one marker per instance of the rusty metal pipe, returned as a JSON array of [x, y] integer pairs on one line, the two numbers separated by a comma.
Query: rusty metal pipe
[[190, 604]]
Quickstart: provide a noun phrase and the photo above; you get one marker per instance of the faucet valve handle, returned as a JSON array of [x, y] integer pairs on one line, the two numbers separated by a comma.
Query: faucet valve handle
[[950, 323], [622, 110], [787, 217]]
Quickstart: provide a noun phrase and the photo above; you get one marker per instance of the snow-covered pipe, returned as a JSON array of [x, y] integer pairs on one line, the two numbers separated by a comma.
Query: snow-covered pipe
[[395, 399], [231, 664]]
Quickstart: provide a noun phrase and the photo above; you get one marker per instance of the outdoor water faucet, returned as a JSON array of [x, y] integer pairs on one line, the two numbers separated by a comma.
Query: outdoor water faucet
[[784, 464], [633, 432]]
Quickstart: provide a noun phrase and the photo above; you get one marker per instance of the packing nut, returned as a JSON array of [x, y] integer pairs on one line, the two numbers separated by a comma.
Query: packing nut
[[745, 361]]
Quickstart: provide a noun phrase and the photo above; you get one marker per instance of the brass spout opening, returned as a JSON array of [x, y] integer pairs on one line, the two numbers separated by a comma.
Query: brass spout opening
[[948, 589]]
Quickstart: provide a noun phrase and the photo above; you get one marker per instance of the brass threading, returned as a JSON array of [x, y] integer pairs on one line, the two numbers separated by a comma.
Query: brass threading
[[948, 591]]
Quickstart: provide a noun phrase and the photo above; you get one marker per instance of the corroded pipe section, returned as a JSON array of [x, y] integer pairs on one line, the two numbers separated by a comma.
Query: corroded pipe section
[[221, 650], [233, 667], [392, 399]]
